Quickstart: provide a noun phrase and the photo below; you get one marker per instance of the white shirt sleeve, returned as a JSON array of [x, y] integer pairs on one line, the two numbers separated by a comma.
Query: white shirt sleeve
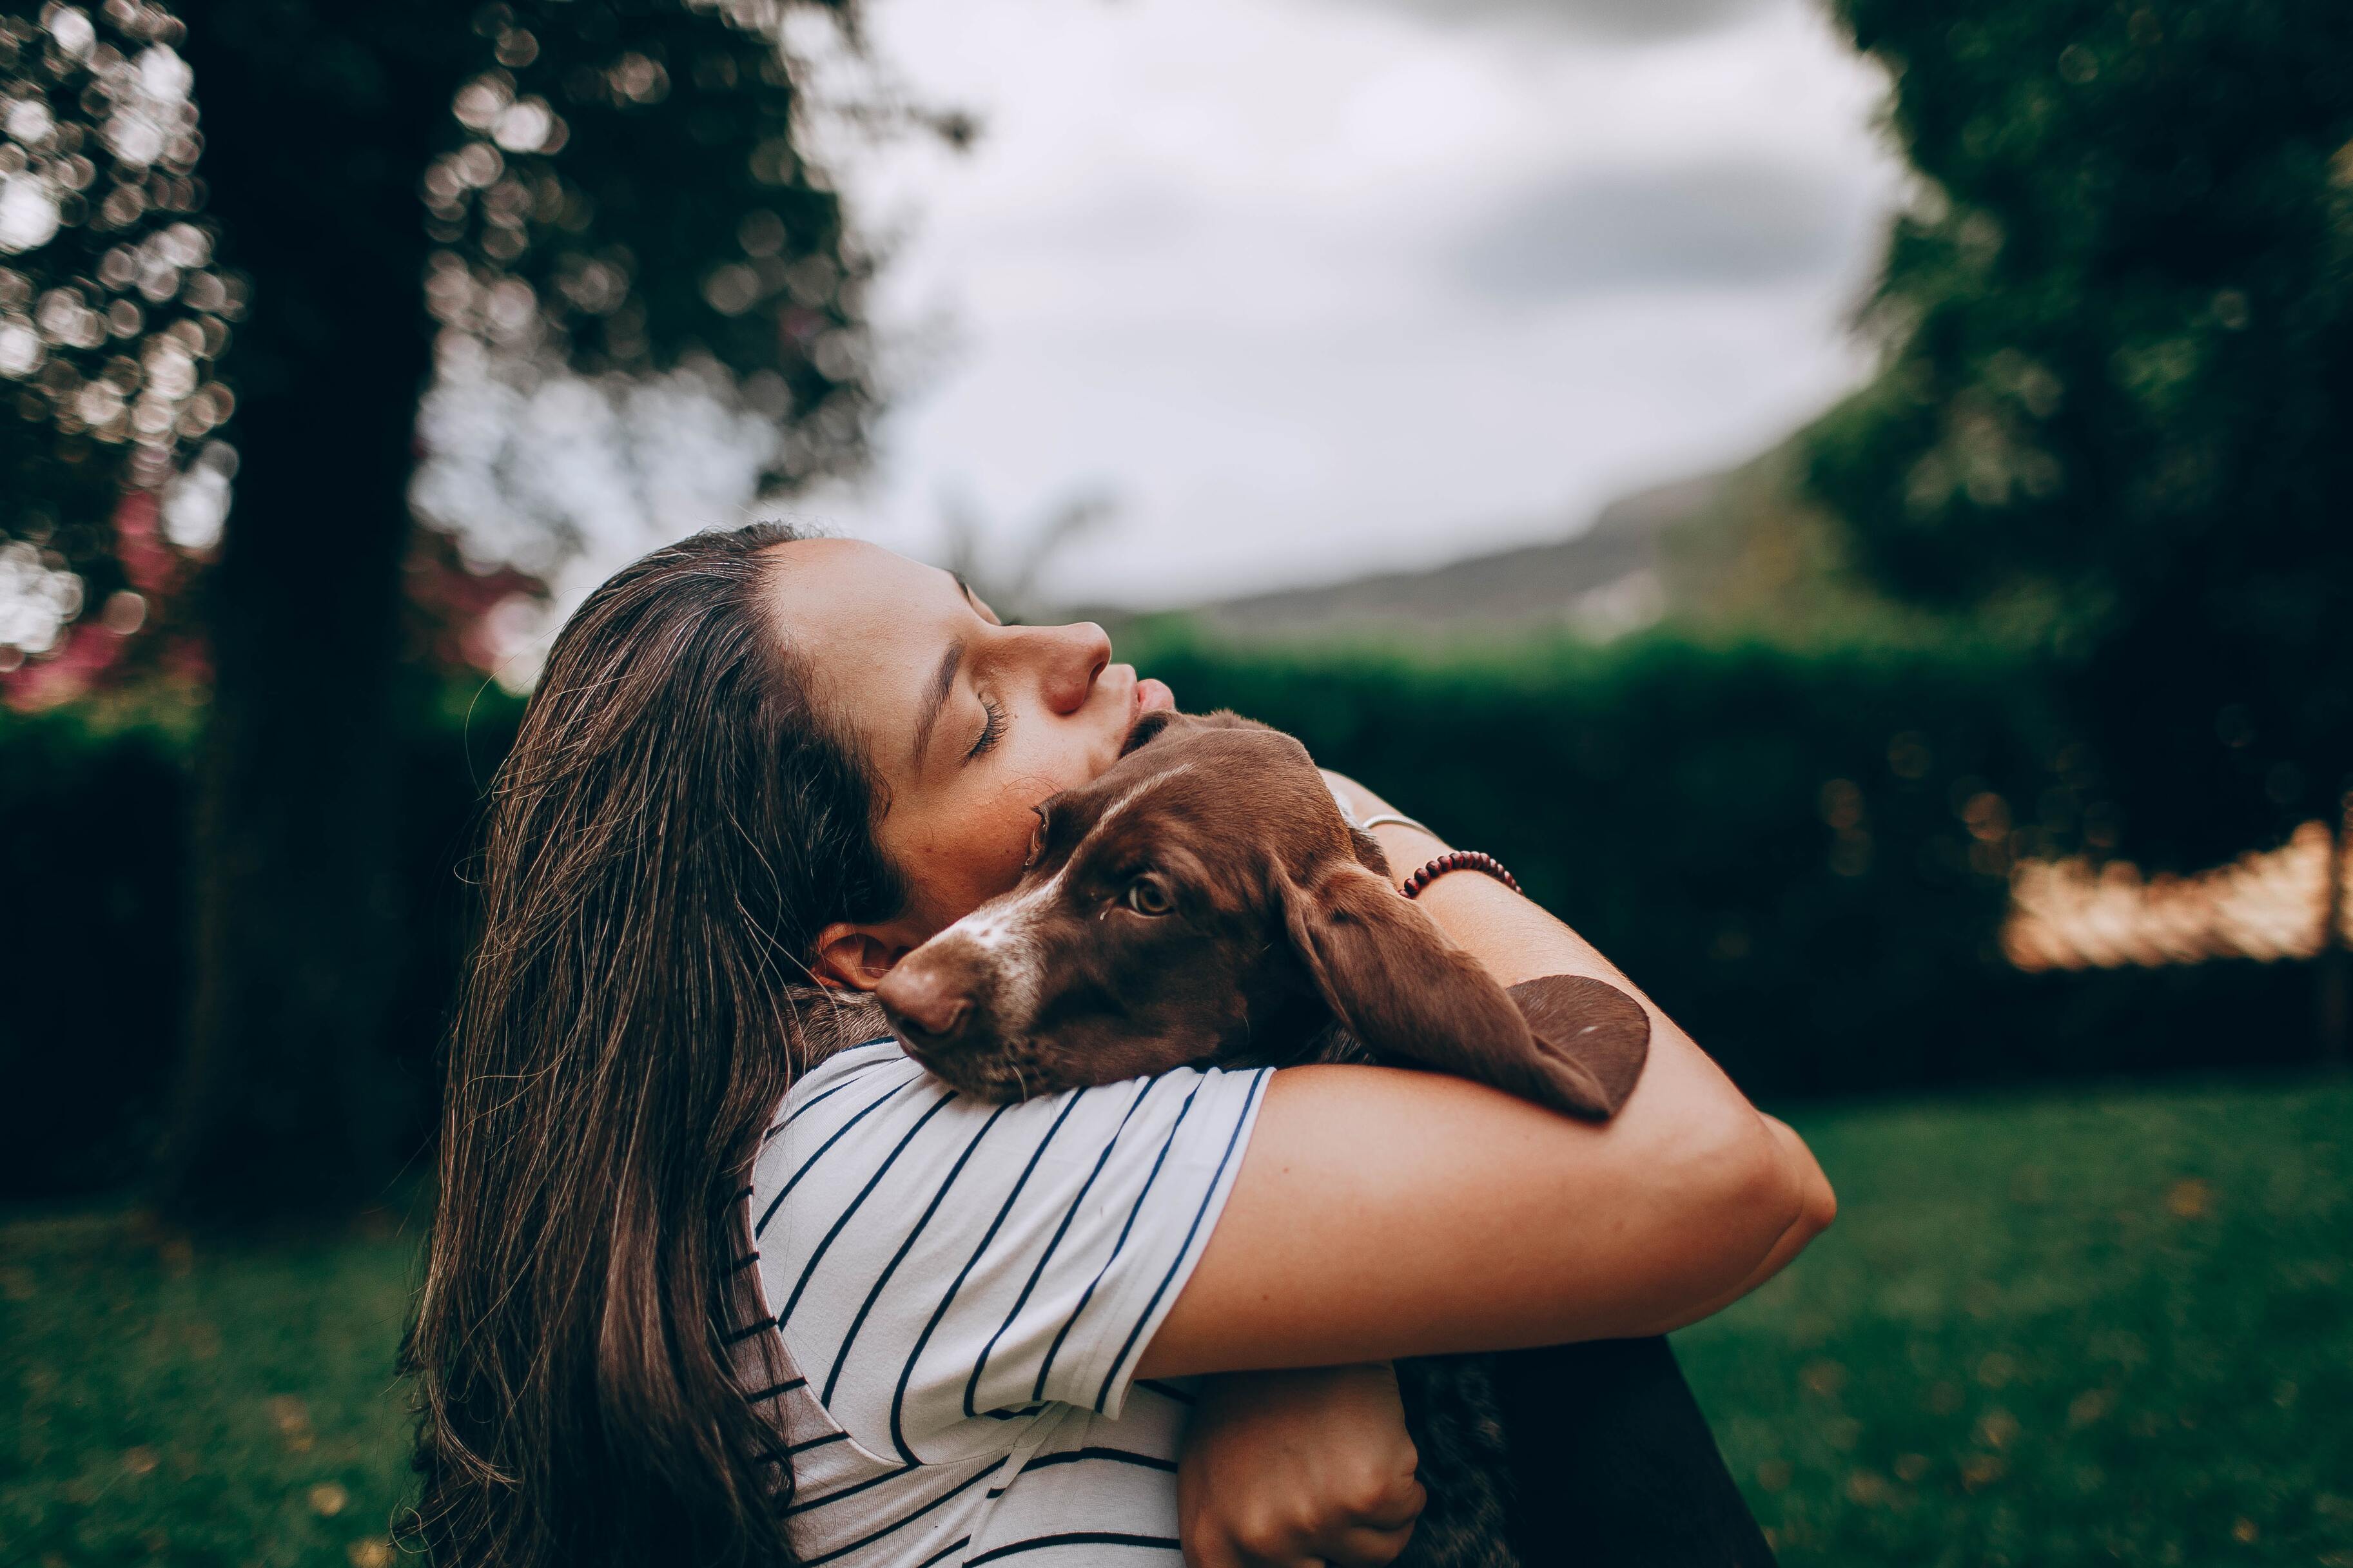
[[941, 1267]]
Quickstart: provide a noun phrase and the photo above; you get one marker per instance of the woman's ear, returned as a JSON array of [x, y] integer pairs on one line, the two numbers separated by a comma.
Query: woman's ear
[[855, 958]]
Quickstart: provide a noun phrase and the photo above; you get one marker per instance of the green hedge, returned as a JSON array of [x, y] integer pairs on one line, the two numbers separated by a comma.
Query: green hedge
[[1771, 842], [1675, 802]]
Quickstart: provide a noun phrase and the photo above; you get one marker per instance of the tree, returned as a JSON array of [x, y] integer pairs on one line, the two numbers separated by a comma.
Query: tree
[[2116, 397], [618, 187]]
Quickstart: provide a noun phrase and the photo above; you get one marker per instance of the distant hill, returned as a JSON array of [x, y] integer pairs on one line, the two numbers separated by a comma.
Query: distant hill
[[1738, 548], [1603, 579]]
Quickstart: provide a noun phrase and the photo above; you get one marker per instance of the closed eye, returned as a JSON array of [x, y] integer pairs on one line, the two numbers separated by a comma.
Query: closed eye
[[992, 728]]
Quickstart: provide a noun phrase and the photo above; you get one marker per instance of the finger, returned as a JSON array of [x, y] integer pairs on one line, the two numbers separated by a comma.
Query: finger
[[1208, 1549], [1283, 1558], [1398, 1508], [1216, 1549], [1364, 1546]]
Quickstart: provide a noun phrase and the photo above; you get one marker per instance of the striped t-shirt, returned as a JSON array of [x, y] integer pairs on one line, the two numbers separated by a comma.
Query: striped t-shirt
[[964, 1289]]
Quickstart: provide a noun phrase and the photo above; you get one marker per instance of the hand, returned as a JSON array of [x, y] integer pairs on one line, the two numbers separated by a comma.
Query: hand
[[1298, 1469]]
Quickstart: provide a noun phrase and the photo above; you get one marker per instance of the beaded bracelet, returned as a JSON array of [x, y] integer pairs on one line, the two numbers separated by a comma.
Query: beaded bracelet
[[1458, 861]]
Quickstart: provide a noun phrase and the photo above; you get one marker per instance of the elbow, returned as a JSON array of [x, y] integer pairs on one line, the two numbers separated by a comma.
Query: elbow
[[1817, 1202], [1820, 1208], [1761, 1192], [1768, 1197]]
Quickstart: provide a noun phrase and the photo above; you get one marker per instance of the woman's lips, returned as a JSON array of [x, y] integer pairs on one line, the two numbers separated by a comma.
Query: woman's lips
[[1151, 696]]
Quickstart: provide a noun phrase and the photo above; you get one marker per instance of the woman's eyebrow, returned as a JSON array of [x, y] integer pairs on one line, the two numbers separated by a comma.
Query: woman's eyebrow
[[936, 699]]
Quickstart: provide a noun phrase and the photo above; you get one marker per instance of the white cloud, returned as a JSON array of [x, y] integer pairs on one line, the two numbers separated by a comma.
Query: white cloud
[[1310, 286], [1314, 286]]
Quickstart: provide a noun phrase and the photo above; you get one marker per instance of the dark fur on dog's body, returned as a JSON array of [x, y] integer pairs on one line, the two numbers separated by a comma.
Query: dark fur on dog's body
[[1205, 901]]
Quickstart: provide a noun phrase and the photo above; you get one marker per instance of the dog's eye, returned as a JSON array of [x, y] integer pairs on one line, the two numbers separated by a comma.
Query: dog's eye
[[1145, 896]]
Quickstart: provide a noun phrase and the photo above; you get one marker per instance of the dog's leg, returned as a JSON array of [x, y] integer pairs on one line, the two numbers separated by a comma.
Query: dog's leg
[[1616, 1467]]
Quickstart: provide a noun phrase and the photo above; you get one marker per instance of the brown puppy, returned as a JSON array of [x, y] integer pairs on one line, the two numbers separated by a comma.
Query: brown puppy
[[1205, 901]]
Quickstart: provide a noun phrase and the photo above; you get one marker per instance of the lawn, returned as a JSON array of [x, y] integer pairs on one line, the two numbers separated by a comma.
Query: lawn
[[2089, 1327]]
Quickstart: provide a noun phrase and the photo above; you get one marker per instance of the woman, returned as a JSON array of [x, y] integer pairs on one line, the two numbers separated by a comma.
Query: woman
[[714, 1279]]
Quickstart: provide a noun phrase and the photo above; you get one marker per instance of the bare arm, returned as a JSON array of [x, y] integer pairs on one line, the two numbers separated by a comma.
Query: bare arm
[[1817, 1207], [1380, 1213]]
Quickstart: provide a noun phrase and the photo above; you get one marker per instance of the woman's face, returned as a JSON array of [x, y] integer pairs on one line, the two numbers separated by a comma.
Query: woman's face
[[969, 723]]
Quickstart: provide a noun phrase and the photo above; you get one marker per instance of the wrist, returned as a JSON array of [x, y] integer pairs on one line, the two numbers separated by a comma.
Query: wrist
[[1408, 848]]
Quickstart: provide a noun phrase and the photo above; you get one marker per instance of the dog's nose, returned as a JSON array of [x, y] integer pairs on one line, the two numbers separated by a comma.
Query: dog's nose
[[925, 1002]]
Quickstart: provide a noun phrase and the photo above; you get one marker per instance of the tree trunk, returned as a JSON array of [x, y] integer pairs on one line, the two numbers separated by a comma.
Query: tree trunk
[[315, 135]]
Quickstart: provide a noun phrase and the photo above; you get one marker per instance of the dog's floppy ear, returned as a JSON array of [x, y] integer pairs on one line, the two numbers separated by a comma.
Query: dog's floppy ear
[[1592, 1023], [1403, 990]]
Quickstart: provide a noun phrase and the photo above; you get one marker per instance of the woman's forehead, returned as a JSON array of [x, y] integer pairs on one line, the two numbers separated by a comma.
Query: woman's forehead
[[869, 623]]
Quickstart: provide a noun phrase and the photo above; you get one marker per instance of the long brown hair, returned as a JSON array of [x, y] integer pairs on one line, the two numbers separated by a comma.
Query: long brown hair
[[677, 819]]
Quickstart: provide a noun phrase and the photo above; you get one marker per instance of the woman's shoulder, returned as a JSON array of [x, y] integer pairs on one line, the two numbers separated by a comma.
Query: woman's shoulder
[[931, 1258], [869, 1061]]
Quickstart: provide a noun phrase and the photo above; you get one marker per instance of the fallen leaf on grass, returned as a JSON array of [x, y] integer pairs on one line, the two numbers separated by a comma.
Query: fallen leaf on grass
[[2189, 1199], [292, 1419], [1982, 1470], [2089, 1407], [328, 1498]]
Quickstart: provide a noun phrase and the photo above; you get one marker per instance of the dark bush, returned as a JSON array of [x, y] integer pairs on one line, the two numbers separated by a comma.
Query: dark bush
[[1777, 845], [95, 823], [1801, 855]]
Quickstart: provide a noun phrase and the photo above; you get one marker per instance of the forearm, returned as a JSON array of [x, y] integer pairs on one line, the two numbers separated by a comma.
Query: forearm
[[1524, 1227], [1517, 939]]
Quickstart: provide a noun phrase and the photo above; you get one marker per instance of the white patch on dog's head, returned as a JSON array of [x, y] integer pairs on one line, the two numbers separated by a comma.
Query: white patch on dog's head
[[1004, 931]]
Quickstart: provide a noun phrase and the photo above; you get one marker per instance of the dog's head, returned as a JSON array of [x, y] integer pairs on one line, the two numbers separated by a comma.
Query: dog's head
[[1204, 900]]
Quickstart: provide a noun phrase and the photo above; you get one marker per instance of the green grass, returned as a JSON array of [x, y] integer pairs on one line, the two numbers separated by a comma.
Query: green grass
[[2106, 1327], [2113, 1327], [160, 1403]]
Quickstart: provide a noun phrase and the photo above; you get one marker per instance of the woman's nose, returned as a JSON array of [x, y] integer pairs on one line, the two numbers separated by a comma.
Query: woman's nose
[[1075, 656]]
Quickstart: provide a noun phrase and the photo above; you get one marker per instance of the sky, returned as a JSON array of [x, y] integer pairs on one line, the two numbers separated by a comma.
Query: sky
[[1313, 287]]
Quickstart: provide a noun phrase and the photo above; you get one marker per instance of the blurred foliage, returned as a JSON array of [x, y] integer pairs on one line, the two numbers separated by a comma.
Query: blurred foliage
[[113, 319], [1758, 555], [615, 187], [629, 189], [2118, 323], [97, 817], [1802, 855], [2050, 1331]]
